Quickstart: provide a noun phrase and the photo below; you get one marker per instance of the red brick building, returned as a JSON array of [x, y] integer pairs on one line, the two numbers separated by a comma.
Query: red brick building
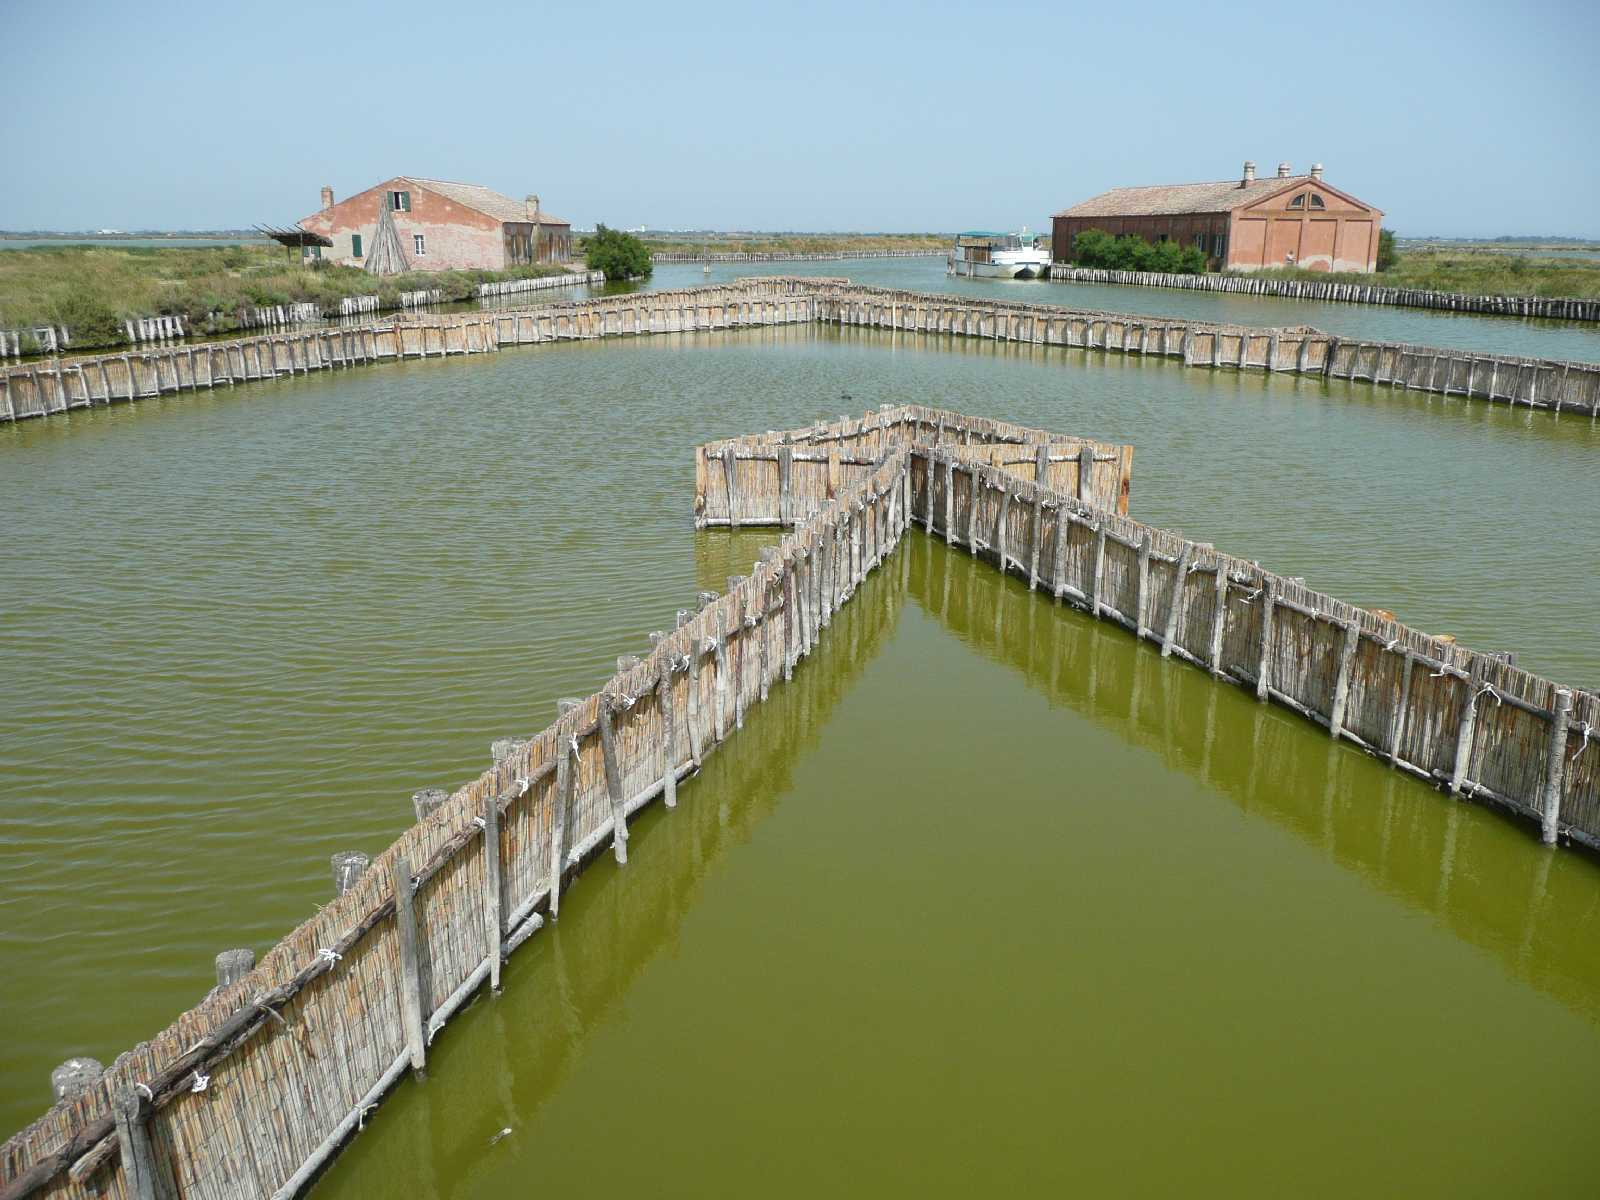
[[1242, 224], [443, 226]]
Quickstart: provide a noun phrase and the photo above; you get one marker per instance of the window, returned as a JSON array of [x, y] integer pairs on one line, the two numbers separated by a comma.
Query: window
[[418, 244], [1316, 201], [311, 252], [400, 201], [1299, 201], [355, 245], [1200, 242], [1219, 245]]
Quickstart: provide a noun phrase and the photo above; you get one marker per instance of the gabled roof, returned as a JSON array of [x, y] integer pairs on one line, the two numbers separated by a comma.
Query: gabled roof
[[1164, 199], [485, 200]]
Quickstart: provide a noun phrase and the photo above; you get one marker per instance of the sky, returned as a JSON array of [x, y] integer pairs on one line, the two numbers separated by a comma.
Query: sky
[[1463, 118]]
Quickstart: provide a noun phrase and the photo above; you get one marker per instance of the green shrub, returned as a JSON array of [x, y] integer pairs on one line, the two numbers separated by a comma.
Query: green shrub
[[1097, 248], [620, 255], [1388, 256]]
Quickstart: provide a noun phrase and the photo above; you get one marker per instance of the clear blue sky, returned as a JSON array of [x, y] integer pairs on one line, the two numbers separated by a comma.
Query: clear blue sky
[[1458, 118]]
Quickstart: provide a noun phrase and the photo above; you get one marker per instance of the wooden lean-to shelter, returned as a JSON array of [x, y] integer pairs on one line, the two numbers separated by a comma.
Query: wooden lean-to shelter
[[387, 256]]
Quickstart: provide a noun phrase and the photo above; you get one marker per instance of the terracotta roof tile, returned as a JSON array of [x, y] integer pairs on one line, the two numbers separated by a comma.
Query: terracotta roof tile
[[1164, 199], [485, 200]]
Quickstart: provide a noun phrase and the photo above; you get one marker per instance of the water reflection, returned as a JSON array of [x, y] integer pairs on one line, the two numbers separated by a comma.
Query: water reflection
[[1481, 874]]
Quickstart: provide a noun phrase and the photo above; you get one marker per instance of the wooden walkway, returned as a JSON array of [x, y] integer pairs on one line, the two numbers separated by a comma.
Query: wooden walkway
[[253, 1090]]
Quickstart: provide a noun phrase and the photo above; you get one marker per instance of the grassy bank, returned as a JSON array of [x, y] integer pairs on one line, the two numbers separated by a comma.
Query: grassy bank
[[93, 289], [793, 243], [1474, 273]]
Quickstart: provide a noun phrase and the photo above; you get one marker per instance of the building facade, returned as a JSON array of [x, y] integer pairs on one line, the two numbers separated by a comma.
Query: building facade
[[443, 226], [1244, 224]]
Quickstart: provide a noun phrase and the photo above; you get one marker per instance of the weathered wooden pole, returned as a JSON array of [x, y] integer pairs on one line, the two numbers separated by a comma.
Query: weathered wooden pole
[[1169, 632], [348, 867], [669, 735], [562, 801], [493, 890], [75, 1077], [1555, 766], [405, 924], [608, 752], [1269, 591], [1341, 684], [1141, 608], [1465, 729], [233, 965], [427, 801], [131, 1112]]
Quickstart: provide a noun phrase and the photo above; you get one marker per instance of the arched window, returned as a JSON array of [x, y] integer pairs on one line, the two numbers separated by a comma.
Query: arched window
[[1299, 201], [1316, 201]]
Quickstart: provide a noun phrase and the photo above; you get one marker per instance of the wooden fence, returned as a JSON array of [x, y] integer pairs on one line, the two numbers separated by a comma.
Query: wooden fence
[[1539, 383], [249, 1093], [45, 388], [1563, 308], [782, 478], [1471, 723], [779, 256]]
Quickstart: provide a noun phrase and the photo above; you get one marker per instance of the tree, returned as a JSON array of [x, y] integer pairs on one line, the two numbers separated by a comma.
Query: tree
[[1388, 256], [620, 255], [1097, 248]]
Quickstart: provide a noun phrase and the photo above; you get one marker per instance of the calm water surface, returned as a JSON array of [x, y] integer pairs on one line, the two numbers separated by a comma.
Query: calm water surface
[[1491, 335], [241, 627]]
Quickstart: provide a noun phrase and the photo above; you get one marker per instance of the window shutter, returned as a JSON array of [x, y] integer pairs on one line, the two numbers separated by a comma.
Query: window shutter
[[355, 245]]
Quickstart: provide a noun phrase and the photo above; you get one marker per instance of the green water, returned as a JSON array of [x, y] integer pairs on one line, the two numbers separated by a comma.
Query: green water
[[241, 627], [991, 901]]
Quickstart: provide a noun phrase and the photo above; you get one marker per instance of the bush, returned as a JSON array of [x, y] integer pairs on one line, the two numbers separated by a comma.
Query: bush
[[1097, 248], [620, 255], [1388, 256]]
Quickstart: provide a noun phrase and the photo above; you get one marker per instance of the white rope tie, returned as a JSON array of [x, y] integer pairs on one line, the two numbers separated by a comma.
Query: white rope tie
[[361, 1118], [522, 786], [144, 1090], [201, 1082], [1489, 687], [480, 822], [574, 741], [329, 956], [1391, 645], [1583, 745]]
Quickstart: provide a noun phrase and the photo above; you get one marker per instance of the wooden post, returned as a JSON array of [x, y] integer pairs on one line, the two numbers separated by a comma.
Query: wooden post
[[669, 735], [1086, 475], [1341, 686], [608, 752], [562, 802], [949, 500], [927, 487], [741, 627], [1000, 526], [1555, 766], [785, 488], [1219, 614], [1264, 659], [1465, 729], [234, 965], [427, 801], [1099, 567], [132, 1116], [1142, 600], [405, 924], [730, 468], [348, 867], [1397, 724], [77, 1075], [972, 516], [1175, 601], [494, 921]]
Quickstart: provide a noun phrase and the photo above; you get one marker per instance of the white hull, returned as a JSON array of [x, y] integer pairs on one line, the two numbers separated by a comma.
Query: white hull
[[1029, 269]]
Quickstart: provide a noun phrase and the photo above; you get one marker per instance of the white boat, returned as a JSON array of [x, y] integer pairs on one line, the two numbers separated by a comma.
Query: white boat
[[998, 256]]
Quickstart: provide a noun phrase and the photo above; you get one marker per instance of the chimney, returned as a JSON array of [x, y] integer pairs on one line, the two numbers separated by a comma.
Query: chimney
[[1283, 170], [1316, 170], [327, 197], [1249, 173], [531, 204]]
